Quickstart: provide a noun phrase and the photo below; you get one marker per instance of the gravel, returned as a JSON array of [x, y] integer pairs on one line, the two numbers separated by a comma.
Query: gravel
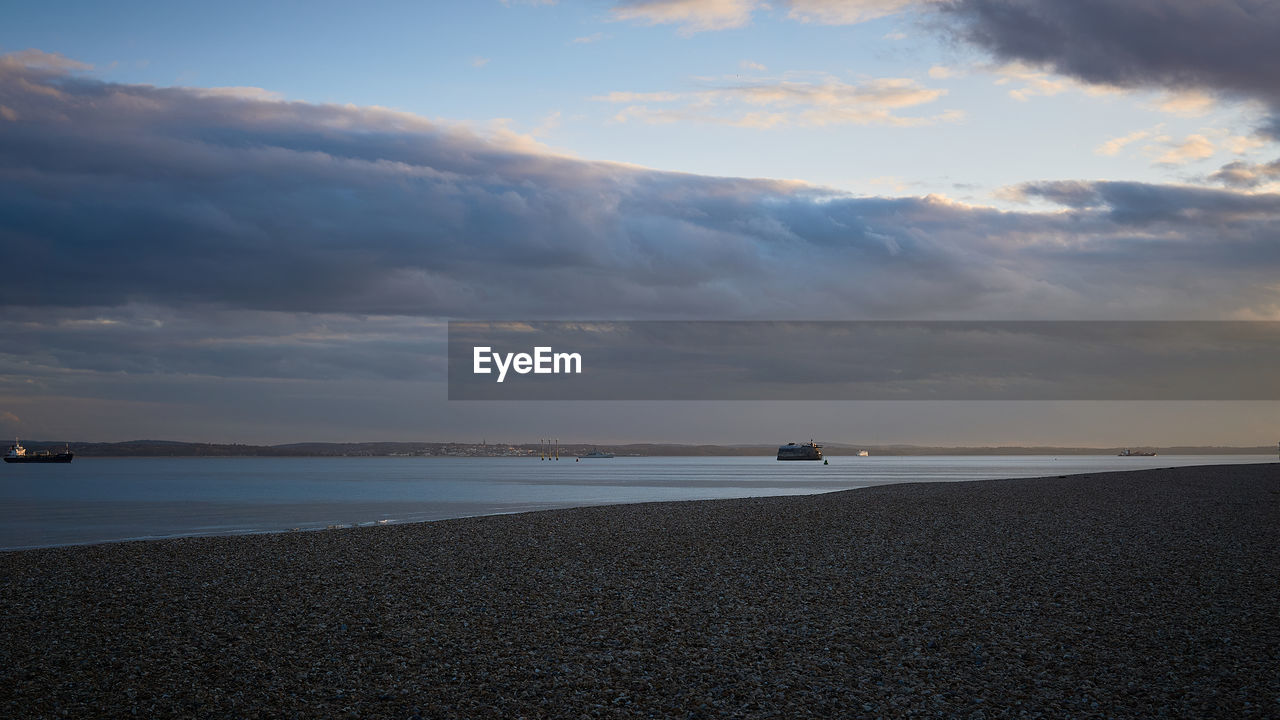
[[1139, 594]]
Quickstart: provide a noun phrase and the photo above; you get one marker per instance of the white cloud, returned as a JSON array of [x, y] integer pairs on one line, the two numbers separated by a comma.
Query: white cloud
[[942, 72], [844, 12], [1190, 149], [638, 97], [1116, 144], [549, 124], [881, 92], [749, 65], [771, 103], [1185, 103], [479, 62], [1032, 81], [1244, 144], [893, 182], [41, 60], [588, 39], [692, 16]]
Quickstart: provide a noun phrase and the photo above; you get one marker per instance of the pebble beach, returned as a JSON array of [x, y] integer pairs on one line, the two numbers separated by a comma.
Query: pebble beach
[[1121, 595]]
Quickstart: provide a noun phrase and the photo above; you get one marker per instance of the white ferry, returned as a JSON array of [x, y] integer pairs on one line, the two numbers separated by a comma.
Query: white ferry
[[807, 451]]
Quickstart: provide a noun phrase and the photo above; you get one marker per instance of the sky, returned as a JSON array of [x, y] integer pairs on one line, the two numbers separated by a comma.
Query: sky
[[251, 222]]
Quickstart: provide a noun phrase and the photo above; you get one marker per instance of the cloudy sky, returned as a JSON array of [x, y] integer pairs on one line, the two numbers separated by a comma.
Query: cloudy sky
[[251, 222]]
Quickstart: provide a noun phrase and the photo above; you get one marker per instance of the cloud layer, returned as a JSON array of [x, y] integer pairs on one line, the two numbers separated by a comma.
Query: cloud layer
[[183, 198], [227, 254], [261, 264]]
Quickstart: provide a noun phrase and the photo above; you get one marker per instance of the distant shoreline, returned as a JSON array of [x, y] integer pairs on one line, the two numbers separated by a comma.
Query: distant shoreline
[[161, 448]]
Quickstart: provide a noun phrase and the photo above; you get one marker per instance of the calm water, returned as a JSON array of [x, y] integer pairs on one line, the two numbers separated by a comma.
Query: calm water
[[111, 499]]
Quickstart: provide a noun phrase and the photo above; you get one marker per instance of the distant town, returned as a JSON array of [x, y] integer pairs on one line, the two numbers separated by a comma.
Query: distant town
[[161, 448]]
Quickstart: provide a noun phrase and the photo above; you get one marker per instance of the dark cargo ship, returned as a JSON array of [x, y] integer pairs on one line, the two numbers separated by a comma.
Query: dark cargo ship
[[19, 454], [807, 451]]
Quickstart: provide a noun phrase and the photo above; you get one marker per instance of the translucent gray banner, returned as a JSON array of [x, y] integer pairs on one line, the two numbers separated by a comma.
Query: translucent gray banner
[[864, 360]]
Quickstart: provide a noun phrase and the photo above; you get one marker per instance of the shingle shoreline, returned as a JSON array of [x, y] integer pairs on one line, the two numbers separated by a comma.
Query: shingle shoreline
[[1139, 594]]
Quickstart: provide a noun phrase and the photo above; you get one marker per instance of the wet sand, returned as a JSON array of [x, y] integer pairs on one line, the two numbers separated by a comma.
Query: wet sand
[[1138, 594]]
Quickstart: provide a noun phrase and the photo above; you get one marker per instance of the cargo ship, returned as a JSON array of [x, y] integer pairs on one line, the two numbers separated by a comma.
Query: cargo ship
[[19, 454], [807, 451], [1135, 453], [594, 454]]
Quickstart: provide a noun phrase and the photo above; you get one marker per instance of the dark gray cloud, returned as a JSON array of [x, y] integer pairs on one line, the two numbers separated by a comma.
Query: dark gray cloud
[[1223, 46], [1241, 174], [140, 340], [1135, 203]]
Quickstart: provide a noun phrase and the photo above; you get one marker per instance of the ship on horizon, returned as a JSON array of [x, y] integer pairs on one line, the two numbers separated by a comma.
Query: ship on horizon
[[807, 451], [19, 454], [1136, 453], [595, 454]]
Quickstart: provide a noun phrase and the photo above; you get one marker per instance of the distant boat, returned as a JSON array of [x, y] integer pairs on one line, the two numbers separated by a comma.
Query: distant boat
[[19, 454], [595, 454], [863, 453], [807, 451], [1135, 453]]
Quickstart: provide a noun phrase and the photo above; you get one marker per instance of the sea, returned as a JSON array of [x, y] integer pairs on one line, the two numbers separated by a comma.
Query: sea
[[97, 500]]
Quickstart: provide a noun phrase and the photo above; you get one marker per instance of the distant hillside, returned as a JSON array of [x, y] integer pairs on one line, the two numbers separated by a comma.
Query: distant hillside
[[165, 448]]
